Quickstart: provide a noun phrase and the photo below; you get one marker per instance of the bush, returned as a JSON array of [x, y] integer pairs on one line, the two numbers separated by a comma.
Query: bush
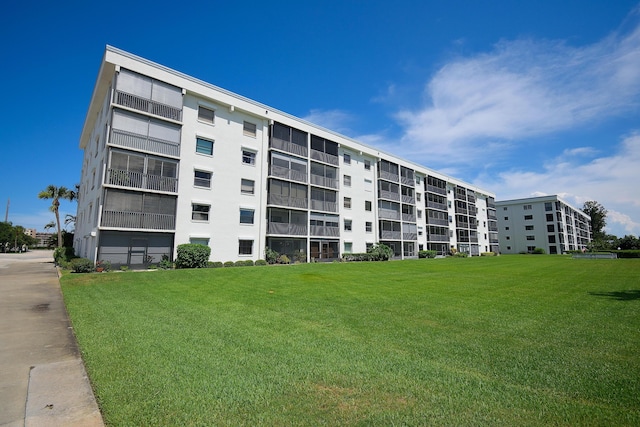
[[244, 263], [229, 264], [283, 259], [380, 252], [460, 254], [357, 257], [63, 255], [628, 253], [214, 264], [539, 251], [192, 255], [270, 255], [427, 254], [488, 254], [261, 262], [81, 265], [249, 263], [166, 263]]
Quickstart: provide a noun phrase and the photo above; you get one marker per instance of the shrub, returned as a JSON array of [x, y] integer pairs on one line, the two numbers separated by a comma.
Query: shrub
[[166, 263], [488, 254], [628, 253], [270, 255], [63, 255], [214, 264], [460, 254], [124, 268], [229, 264], [283, 259], [261, 262], [81, 265], [380, 252], [357, 257], [427, 254], [249, 263], [538, 251], [192, 255]]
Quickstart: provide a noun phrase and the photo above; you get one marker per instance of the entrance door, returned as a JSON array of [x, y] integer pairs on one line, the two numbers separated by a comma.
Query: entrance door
[[138, 251]]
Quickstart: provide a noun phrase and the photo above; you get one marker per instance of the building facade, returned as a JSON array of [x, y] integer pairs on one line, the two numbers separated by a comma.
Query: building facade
[[546, 222], [169, 159]]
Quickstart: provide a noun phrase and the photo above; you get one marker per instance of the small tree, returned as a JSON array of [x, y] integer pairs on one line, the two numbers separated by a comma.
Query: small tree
[[598, 215], [55, 194]]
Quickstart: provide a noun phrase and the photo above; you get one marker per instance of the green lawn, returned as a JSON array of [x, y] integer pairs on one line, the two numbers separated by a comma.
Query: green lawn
[[510, 340]]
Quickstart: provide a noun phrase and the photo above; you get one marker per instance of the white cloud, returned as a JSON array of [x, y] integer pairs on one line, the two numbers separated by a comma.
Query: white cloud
[[336, 120], [525, 88], [610, 180]]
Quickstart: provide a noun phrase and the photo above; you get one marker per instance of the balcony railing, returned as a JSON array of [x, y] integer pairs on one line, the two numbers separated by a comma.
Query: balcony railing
[[286, 228], [462, 224], [150, 221], [410, 236], [324, 157], [436, 205], [408, 199], [438, 238], [141, 180], [392, 235], [144, 143], [290, 174], [437, 221], [461, 196], [324, 181], [408, 180], [319, 230], [462, 210], [389, 176], [388, 214], [385, 194], [408, 217], [148, 106], [289, 147], [292, 202], [437, 190], [321, 205]]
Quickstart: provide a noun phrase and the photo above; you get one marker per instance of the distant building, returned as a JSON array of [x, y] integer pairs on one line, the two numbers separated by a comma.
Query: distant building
[[31, 232], [44, 239], [170, 159], [546, 222]]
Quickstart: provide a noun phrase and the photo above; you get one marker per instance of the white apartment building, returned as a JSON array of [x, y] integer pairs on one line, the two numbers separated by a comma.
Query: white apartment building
[[170, 159], [546, 222]]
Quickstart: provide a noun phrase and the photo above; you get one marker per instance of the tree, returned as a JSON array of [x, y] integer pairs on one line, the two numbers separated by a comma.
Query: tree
[[55, 194], [598, 215]]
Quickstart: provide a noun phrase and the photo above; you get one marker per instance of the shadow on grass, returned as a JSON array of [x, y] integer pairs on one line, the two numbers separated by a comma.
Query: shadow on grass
[[619, 295]]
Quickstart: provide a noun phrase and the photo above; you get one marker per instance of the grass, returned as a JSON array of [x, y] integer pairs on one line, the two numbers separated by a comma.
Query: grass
[[510, 340]]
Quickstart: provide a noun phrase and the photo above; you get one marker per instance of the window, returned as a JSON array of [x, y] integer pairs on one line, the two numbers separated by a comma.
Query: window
[[531, 248], [202, 179], [550, 228], [246, 216], [552, 238], [200, 212], [347, 225], [367, 165], [418, 197], [199, 241], [508, 238], [506, 218], [528, 227], [206, 115], [367, 205], [419, 214], [204, 146], [249, 129], [248, 157], [245, 247], [531, 237], [504, 208], [247, 186], [528, 217], [527, 207], [347, 159], [368, 226], [347, 180], [348, 247], [506, 228], [550, 217], [347, 202]]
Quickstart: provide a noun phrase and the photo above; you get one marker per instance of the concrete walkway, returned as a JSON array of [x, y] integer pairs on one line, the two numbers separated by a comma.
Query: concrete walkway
[[42, 378]]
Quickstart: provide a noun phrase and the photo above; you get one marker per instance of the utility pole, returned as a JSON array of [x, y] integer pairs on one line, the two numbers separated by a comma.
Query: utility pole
[[6, 215]]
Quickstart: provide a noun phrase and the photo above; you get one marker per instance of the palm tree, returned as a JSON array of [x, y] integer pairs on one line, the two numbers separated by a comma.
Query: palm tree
[[57, 193]]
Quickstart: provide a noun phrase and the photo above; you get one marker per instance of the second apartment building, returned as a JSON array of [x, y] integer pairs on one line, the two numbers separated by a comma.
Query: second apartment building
[[170, 159]]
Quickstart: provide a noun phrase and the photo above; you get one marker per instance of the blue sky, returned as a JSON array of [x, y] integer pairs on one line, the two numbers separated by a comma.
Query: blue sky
[[521, 98]]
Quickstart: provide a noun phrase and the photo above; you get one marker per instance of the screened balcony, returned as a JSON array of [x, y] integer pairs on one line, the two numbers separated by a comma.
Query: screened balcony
[[408, 195], [324, 150], [390, 230], [132, 209], [436, 185], [287, 167], [140, 171], [388, 210], [150, 221], [287, 194], [293, 202], [144, 143], [288, 139], [147, 105], [148, 95], [142, 133], [142, 181], [324, 200], [388, 171], [324, 176], [409, 232], [407, 176], [387, 190], [286, 222]]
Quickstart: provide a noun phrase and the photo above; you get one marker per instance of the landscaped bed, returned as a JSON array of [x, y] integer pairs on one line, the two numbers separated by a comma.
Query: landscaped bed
[[509, 340]]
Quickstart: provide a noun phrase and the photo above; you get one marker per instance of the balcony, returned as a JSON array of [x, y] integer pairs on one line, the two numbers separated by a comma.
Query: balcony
[[286, 228], [289, 147], [388, 214], [438, 238], [319, 230], [436, 205], [437, 221], [141, 180], [390, 235], [408, 217], [292, 202], [408, 199], [324, 181], [290, 174], [139, 220], [143, 143], [321, 205], [324, 157], [437, 190], [389, 176], [462, 224], [409, 236], [461, 210], [148, 106], [408, 180], [389, 195]]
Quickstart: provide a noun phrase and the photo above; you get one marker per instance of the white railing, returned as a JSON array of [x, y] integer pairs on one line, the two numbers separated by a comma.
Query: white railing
[[324, 157], [436, 205], [410, 236], [144, 143], [151, 221], [389, 176], [385, 194], [388, 214], [321, 205], [289, 147], [437, 190], [293, 175], [324, 181], [319, 230], [408, 199], [393, 235], [286, 228], [293, 202], [148, 106], [408, 217], [408, 180], [438, 238]]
